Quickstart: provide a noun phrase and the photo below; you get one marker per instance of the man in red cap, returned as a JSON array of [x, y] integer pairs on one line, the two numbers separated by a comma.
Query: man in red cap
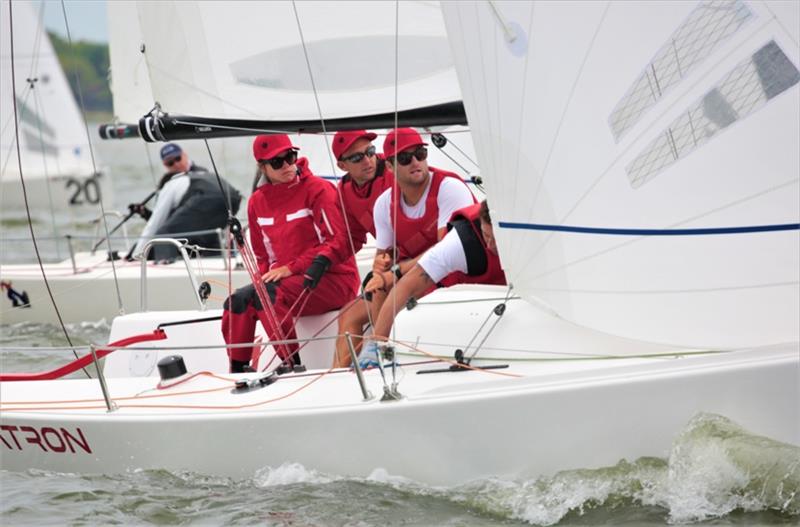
[[428, 197], [466, 255], [367, 176], [297, 234]]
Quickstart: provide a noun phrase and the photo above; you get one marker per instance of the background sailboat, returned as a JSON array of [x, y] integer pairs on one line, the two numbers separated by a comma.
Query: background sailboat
[[56, 162], [150, 67]]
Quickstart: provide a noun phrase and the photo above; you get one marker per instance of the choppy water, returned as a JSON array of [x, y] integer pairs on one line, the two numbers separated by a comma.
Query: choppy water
[[716, 473]]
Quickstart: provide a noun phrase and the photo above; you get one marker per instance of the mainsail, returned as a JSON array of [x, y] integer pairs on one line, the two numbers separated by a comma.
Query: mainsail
[[647, 163], [130, 79], [242, 68], [247, 60]]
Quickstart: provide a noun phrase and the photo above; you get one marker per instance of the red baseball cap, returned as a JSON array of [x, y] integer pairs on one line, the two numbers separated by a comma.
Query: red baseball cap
[[268, 146], [401, 139], [345, 139]]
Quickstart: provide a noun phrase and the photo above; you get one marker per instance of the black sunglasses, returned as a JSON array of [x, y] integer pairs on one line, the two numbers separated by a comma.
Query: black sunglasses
[[170, 162], [404, 158], [358, 156], [277, 162]]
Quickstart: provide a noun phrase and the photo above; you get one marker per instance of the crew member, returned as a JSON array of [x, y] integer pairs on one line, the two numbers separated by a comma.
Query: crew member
[[466, 255], [301, 246], [428, 197], [189, 199], [367, 176]]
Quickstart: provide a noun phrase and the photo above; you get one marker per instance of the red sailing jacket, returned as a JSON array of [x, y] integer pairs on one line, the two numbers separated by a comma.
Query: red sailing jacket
[[292, 223], [483, 266], [359, 202], [416, 235]]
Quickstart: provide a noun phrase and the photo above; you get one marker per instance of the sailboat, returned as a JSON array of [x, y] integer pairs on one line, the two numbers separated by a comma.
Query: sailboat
[[646, 217], [85, 285], [56, 161]]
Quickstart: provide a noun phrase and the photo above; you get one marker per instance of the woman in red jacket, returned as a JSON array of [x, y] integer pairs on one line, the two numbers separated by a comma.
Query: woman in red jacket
[[300, 243]]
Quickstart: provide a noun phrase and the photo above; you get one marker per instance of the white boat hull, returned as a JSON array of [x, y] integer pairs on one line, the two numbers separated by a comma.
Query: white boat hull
[[469, 430], [90, 294], [532, 418]]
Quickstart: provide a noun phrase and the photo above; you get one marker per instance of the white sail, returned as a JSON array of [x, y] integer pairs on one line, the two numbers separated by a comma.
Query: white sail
[[647, 160], [130, 79], [54, 148], [52, 137], [246, 59]]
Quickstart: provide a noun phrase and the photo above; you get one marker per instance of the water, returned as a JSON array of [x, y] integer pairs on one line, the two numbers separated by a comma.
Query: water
[[716, 473]]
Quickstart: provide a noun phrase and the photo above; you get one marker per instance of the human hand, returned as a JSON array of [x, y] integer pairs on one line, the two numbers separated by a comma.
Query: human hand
[[376, 283], [315, 271], [273, 275], [382, 262], [141, 210]]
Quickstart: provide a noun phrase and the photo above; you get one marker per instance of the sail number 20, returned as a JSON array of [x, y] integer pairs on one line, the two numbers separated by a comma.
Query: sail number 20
[[83, 190]]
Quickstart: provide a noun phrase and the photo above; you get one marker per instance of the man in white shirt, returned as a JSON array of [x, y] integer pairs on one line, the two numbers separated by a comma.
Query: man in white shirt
[[406, 227], [467, 254]]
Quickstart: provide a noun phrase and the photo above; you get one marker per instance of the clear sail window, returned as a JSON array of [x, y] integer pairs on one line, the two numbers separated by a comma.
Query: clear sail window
[[333, 64], [748, 87], [708, 25]]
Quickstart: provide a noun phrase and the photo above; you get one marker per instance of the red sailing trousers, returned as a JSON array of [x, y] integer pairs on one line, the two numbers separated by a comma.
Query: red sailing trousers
[[243, 308]]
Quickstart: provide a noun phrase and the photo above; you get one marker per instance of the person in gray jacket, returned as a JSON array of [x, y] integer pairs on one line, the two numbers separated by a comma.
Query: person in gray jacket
[[189, 199]]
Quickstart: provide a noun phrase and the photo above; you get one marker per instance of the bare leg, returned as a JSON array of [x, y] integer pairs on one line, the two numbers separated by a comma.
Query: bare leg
[[352, 321]]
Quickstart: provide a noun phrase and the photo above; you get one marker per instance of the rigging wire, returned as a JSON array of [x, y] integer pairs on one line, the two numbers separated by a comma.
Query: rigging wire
[[498, 310], [451, 158], [91, 155], [329, 150], [22, 115], [39, 110], [48, 179], [248, 259], [150, 164], [25, 191], [466, 156], [399, 201]]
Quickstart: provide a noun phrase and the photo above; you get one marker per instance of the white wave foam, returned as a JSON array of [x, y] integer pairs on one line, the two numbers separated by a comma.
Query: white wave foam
[[288, 474], [714, 468], [381, 475]]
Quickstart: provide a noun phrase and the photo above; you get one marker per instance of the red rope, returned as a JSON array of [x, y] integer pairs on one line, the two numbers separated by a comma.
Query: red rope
[[84, 361], [255, 277]]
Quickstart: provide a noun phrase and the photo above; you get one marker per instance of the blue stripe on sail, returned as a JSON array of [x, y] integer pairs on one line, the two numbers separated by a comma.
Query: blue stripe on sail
[[651, 232]]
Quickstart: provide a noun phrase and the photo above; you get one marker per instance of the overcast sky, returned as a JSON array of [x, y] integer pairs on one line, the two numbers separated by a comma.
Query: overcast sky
[[87, 18]]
